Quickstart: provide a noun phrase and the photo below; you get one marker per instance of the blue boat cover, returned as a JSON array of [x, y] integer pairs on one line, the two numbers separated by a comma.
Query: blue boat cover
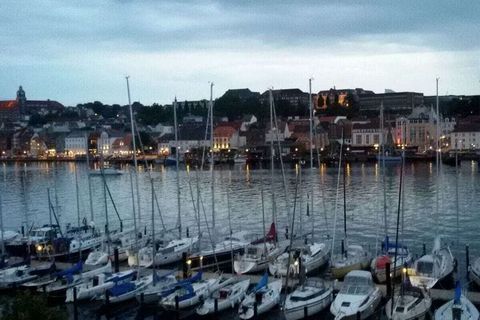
[[386, 244], [262, 283], [77, 268], [189, 294], [126, 276], [458, 293], [122, 288]]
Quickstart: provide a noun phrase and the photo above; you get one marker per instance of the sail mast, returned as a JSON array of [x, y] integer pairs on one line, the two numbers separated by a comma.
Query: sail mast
[[312, 216], [272, 164], [89, 181], [344, 191], [212, 161], [134, 148], [179, 219], [382, 155], [78, 199]]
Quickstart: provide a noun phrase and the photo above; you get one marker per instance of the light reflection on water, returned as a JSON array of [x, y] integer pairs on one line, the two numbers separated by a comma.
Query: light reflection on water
[[24, 190]]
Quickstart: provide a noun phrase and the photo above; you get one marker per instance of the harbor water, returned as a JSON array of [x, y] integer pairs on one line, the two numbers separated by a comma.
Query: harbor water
[[431, 204]]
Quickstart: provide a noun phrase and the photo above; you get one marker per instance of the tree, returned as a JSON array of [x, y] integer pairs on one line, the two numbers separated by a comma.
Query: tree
[[25, 306]]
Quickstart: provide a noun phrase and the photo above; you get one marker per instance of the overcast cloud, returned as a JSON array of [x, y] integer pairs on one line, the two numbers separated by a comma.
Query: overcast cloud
[[78, 51]]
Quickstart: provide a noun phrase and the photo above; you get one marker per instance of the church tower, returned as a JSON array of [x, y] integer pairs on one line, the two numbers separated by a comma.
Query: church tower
[[21, 99]]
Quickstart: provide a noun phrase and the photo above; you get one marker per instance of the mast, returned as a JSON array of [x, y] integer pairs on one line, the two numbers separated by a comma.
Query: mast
[[2, 230], [134, 149], [179, 219], [437, 155], [133, 210], [212, 160], [272, 164], [312, 217], [230, 218], [107, 231], [382, 155], [263, 220], [154, 247], [78, 199], [344, 192], [89, 181]]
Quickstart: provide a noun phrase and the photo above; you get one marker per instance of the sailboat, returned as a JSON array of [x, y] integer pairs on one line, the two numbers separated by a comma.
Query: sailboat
[[437, 266], [265, 296], [460, 308], [226, 297], [434, 267], [357, 295], [173, 250], [410, 304], [353, 256], [396, 254]]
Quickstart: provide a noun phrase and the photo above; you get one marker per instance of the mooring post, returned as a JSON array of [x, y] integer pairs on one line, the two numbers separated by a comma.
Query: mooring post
[[215, 307], [188, 233], [116, 261], [388, 279], [359, 315], [305, 312], [107, 298], [255, 310], [177, 308], [75, 309], [424, 250], [184, 265], [467, 258], [343, 247]]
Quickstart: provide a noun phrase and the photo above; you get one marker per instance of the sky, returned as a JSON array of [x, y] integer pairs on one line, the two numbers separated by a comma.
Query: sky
[[81, 51]]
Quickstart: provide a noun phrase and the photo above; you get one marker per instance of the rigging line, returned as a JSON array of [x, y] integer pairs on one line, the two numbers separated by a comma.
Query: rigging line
[[195, 209], [400, 191], [285, 187], [323, 193], [148, 171], [209, 234], [291, 238], [337, 194], [111, 198]]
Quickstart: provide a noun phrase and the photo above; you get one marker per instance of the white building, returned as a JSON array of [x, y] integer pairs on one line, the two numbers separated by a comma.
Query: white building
[[465, 137], [368, 134], [76, 144]]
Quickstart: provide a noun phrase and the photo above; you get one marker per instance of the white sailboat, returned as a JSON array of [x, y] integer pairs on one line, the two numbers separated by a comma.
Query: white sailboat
[[311, 256], [226, 297], [190, 293], [433, 267], [357, 295], [265, 296], [460, 308], [312, 296], [413, 303]]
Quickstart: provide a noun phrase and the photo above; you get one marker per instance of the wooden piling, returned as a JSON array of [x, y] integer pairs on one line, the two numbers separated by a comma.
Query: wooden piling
[[388, 280], [116, 261], [467, 258], [75, 307]]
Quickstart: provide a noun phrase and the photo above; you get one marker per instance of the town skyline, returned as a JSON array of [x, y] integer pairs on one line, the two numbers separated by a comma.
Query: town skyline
[[81, 53]]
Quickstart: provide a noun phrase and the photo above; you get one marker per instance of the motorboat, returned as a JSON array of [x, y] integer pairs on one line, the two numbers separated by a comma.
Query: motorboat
[[411, 304], [460, 308], [311, 257], [355, 257], [429, 269], [264, 297], [15, 276], [311, 297], [226, 297], [357, 295]]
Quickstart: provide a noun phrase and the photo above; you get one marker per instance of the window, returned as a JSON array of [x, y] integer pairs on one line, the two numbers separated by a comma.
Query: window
[[376, 139], [359, 139], [367, 141]]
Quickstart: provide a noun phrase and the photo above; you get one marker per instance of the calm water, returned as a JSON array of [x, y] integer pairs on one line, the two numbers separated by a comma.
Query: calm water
[[24, 195]]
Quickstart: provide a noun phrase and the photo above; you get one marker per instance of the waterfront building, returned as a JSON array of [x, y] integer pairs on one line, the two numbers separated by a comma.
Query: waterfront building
[[295, 97], [367, 134], [227, 136], [418, 129], [465, 137], [401, 103], [76, 143], [339, 97]]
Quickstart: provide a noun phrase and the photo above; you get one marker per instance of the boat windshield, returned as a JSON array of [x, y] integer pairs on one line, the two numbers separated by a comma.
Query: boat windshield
[[356, 286], [425, 267]]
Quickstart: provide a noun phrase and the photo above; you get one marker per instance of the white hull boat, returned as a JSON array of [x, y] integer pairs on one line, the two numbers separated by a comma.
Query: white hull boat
[[313, 296], [457, 309], [432, 268], [227, 297], [357, 295], [256, 258], [266, 298], [171, 253], [312, 257], [98, 285], [127, 290], [355, 258], [151, 293], [413, 304], [378, 265], [190, 294], [474, 271]]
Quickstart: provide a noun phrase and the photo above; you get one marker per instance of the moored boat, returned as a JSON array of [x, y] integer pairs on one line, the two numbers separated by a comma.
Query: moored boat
[[311, 297]]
